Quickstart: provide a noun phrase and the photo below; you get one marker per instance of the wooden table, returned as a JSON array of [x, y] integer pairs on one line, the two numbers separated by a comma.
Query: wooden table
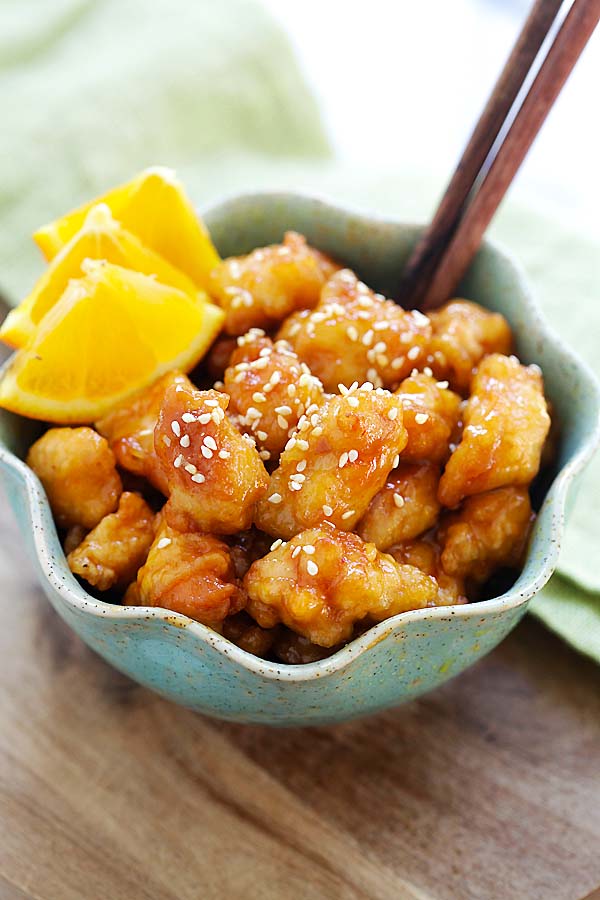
[[487, 788]]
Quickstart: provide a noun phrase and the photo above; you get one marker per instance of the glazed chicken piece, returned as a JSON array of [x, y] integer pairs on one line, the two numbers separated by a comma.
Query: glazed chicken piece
[[130, 430], [489, 531], [214, 474], [261, 289], [78, 471], [270, 390], [325, 580], [405, 507], [425, 555], [245, 633], [192, 574], [114, 550], [357, 335], [335, 463], [463, 333], [505, 426], [431, 413]]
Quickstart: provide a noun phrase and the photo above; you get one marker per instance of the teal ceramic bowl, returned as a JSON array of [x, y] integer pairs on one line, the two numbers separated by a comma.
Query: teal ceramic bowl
[[396, 660]]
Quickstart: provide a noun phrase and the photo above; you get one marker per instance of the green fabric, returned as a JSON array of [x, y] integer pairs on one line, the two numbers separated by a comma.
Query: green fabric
[[94, 90]]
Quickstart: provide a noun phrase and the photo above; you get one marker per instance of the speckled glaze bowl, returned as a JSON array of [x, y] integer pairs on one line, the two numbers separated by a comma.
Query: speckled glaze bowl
[[396, 660]]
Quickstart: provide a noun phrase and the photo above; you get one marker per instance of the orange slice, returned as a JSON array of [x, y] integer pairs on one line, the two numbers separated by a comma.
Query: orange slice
[[100, 237], [112, 333], [155, 207]]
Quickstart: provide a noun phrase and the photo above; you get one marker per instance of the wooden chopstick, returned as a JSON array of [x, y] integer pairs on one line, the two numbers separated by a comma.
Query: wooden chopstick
[[428, 251], [431, 255], [568, 44]]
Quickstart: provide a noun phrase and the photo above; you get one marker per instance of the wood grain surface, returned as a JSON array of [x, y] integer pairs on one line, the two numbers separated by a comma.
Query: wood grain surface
[[487, 788]]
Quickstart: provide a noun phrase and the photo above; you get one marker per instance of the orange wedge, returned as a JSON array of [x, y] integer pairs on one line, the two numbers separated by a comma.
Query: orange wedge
[[100, 237], [112, 333], [155, 207]]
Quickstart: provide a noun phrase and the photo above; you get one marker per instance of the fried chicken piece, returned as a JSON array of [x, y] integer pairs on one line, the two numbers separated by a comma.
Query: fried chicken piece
[[425, 555], [357, 335], [335, 463], [245, 633], [405, 507], [261, 289], [505, 426], [431, 413], [78, 471], [270, 390], [214, 474], [463, 333], [130, 430], [325, 580], [190, 573], [295, 650], [114, 550], [489, 531]]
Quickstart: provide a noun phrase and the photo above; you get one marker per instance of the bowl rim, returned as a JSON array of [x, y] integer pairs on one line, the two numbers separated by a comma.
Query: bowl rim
[[518, 595]]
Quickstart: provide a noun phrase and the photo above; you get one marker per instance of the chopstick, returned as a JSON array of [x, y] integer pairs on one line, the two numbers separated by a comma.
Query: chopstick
[[447, 247]]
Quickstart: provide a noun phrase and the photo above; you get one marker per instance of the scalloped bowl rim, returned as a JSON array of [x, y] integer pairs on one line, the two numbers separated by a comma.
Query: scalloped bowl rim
[[78, 598]]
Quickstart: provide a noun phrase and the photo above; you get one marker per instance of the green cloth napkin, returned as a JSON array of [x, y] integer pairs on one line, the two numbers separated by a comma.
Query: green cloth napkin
[[94, 90]]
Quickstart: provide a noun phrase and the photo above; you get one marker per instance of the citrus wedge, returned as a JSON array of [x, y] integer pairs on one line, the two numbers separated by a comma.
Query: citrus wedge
[[112, 333], [155, 207], [100, 237]]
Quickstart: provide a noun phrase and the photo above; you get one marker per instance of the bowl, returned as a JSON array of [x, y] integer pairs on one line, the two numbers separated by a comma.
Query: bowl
[[398, 659]]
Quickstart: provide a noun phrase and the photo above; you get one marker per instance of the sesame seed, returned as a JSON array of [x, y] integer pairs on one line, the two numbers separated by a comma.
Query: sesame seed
[[290, 444], [264, 455], [224, 454], [352, 333], [399, 501], [176, 428], [164, 542], [276, 544], [393, 413], [188, 417], [275, 377], [380, 347], [427, 371], [166, 440], [198, 478], [317, 431], [262, 435], [283, 410], [206, 453], [205, 418], [302, 444], [294, 486], [414, 372], [211, 404], [382, 360], [184, 441], [348, 514], [283, 423], [293, 329], [367, 386], [343, 460], [296, 551], [413, 352], [291, 390], [210, 442], [261, 363], [191, 468], [301, 466], [380, 326], [397, 363], [266, 351], [368, 338], [258, 397], [353, 401], [298, 476], [353, 455], [342, 389], [312, 568], [396, 461], [275, 498], [421, 418], [328, 510], [178, 461], [218, 385], [314, 420], [442, 385], [308, 548], [218, 415]]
